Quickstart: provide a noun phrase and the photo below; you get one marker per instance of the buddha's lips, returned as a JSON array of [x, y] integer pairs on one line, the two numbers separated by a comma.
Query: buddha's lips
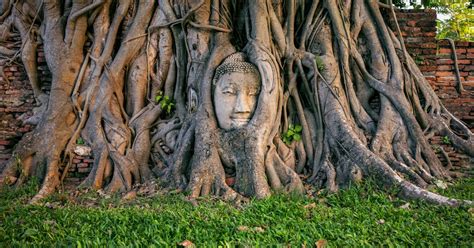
[[240, 121]]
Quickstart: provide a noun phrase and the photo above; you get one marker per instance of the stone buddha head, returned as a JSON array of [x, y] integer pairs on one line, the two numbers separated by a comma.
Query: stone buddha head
[[236, 86]]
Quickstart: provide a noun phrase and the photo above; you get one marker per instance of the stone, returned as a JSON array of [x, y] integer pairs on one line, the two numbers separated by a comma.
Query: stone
[[82, 150], [236, 89]]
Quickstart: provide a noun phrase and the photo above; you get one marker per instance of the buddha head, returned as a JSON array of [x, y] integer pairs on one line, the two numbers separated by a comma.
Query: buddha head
[[236, 86]]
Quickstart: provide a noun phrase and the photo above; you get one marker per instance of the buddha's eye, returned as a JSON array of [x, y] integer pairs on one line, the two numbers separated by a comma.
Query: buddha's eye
[[228, 91], [253, 92]]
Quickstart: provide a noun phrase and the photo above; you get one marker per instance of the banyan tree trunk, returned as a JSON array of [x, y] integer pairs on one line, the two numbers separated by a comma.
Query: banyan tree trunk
[[229, 98]]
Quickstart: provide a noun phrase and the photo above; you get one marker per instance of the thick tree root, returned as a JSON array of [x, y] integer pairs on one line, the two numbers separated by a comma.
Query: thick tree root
[[135, 81]]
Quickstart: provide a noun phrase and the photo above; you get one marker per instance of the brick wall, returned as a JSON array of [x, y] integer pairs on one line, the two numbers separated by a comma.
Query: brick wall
[[444, 79], [16, 98], [435, 62], [434, 59], [417, 26]]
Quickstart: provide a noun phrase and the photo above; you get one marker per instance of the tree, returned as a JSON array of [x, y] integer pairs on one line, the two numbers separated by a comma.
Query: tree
[[460, 24], [456, 19], [144, 85]]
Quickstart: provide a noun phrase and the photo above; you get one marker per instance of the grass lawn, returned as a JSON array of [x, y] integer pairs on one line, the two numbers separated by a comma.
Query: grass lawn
[[358, 216]]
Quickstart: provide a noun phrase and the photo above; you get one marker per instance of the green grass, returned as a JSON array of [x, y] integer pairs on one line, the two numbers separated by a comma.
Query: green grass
[[350, 218]]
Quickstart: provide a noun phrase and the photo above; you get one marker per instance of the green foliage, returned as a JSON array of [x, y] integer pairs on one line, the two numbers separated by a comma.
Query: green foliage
[[399, 3], [320, 64], [360, 216], [446, 140], [80, 141], [460, 25], [165, 102], [460, 22], [292, 134]]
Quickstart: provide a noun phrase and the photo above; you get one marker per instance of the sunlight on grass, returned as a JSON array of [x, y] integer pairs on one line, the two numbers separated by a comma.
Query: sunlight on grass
[[358, 216]]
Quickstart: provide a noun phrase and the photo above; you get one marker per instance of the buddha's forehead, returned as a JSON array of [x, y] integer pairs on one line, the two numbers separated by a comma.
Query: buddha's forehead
[[239, 80]]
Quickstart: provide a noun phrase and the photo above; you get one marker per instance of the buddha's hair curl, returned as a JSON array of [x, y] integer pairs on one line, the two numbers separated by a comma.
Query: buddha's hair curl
[[235, 62]]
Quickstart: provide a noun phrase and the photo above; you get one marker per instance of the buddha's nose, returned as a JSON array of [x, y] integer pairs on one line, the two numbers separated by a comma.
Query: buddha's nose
[[243, 104]]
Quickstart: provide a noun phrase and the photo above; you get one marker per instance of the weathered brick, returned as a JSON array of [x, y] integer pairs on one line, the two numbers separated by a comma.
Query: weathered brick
[[461, 43], [445, 61], [411, 23], [428, 34], [88, 160], [82, 165], [464, 61], [83, 170], [427, 45], [445, 68]]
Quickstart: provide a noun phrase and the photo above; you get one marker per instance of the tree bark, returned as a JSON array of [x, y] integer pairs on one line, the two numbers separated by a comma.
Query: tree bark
[[136, 79]]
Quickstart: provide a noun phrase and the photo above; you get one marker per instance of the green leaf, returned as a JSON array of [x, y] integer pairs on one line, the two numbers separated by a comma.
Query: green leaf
[[158, 98], [298, 128], [297, 137], [290, 132], [30, 232]]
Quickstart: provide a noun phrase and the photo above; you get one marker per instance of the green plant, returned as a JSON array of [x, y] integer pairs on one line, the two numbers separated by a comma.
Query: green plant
[[446, 140], [460, 22], [399, 3], [165, 102], [350, 218], [320, 64], [80, 141], [292, 134]]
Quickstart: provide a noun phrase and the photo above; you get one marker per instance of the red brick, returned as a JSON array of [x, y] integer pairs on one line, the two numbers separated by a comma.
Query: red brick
[[461, 43], [444, 51], [427, 45], [411, 23], [83, 170], [73, 180], [446, 78], [83, 165], [444, 73], [428, 34], [427, 51], [430, 78], [445, 62], [464, 61], [428, 68], [445, 68]]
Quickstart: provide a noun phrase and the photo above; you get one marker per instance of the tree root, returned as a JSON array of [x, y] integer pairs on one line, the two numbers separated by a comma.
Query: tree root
[[338, 71]]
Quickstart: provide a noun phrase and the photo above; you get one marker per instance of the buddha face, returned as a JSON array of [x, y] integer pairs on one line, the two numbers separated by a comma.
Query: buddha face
[[235, 99]]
